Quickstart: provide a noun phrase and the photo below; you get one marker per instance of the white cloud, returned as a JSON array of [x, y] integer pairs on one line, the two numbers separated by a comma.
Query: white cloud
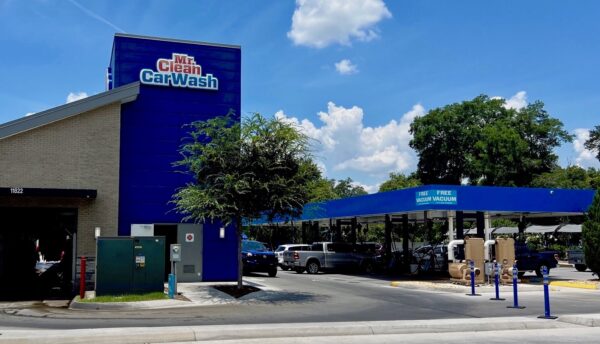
[[585, 157], [346, 67], [348, 148], [319, 23], [74, 96], [517, 101]]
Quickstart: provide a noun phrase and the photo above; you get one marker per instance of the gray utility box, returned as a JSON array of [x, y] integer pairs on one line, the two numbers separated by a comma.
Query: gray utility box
[[127, 265], [189, 236]]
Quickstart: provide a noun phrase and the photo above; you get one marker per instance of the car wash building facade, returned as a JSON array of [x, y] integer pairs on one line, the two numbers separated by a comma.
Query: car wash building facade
[[103, 165]]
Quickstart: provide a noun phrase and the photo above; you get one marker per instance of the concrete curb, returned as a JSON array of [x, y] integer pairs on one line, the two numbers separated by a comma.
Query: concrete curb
[[460, 288], [576, 284], [239, 332], [589, 320], [118, 306]]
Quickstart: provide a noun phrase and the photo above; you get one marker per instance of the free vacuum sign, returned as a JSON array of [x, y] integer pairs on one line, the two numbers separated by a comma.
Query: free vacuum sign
[[181, 70], [436, 197]]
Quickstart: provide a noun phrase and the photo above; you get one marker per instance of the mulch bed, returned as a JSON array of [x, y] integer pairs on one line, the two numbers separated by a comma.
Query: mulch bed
[[234, 291]]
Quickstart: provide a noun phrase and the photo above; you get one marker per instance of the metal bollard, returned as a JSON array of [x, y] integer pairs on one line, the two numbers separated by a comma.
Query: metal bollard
[[515, 291], [172, 286], [497, 282], [82, 278], [546, 315], [472, 266]]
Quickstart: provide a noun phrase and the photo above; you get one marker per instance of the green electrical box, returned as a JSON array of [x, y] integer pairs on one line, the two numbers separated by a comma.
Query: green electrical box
[[127, 265]]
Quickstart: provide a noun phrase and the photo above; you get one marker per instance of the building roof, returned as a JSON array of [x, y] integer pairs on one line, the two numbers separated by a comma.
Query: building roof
[[442, 200], [178, 40], [123, 94]]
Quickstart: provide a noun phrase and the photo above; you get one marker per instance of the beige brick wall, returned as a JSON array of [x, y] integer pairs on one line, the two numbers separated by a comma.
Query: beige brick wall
[[81, 152]]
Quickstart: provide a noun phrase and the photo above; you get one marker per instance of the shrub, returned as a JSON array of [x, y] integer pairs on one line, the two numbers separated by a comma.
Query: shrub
[[591, 236]]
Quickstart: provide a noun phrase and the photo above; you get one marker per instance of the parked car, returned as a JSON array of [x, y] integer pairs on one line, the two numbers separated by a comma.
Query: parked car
[[289, 247], [532, 260], [431, 258], [256, 257], [577, 258], [330, 256]]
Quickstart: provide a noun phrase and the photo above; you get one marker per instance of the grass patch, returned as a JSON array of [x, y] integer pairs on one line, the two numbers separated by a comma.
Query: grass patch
[[128, 297]]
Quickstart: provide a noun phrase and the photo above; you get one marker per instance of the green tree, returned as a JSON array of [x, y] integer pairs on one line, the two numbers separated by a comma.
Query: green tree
[[571, 177], [593, 143], [346, 188], [259, 168], [486, 142], [322, 189], [397, 181], [591, 236]]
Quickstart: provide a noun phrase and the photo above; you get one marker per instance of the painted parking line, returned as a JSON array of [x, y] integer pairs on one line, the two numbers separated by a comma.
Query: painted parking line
[[576, 284]]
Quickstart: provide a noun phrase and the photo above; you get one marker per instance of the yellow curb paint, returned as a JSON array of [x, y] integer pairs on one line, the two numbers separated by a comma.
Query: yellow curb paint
[[569, 284], [395, 284]]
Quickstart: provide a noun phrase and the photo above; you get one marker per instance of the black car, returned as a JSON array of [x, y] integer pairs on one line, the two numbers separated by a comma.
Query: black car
[[256, 257]]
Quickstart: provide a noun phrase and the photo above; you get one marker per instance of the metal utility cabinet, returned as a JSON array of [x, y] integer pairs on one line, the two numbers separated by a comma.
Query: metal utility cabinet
[[127, 265]]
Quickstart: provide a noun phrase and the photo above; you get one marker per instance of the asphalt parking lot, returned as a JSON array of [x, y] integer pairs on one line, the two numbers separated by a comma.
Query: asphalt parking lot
[[325, 297]]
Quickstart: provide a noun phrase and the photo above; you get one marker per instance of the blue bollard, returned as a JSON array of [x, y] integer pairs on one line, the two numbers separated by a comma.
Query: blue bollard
[[515, 272], [171, 286], [497, 282], [546, 315], [472, 266]]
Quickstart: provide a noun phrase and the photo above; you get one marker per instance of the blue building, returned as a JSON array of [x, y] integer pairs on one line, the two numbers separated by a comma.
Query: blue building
[[103, 165]]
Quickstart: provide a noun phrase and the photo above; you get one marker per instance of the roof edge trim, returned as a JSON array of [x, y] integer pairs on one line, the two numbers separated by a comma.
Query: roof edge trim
[[174, 40], [122, 95]]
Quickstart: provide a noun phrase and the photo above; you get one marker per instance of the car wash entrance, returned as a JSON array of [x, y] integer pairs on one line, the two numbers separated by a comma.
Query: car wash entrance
[[36, 252]]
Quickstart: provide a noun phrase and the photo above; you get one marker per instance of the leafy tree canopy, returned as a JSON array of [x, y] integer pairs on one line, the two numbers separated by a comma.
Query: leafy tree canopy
[[397, 181], [244, 171], [347, 188], [571, 177], [593, 143], [325, 189], [486, 142]]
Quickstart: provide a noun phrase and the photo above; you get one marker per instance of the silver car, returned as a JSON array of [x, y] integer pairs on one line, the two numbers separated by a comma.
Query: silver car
[[289, 247]]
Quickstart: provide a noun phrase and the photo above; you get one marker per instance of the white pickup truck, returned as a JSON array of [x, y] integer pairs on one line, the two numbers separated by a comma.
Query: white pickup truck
[[331, 256], [577, 258]]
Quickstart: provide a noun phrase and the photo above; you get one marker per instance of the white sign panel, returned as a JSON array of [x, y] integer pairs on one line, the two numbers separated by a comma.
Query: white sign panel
[[142, 230], [189, 237]]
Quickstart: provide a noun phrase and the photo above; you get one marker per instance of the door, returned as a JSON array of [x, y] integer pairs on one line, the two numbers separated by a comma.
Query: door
[[170, 234]]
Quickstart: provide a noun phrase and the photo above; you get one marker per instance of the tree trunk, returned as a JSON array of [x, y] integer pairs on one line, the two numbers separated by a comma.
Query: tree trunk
[[238, 232]]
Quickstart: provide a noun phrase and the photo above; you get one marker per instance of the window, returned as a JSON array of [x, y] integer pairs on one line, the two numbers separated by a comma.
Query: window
[[317, 247], [253, 246]]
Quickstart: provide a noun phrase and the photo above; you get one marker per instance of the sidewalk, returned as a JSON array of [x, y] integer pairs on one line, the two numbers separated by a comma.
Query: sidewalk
[[309, 332], [193, 295]]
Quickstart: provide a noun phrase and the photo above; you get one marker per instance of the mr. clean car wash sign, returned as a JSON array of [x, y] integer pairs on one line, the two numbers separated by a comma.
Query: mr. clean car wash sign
[[181, 70]]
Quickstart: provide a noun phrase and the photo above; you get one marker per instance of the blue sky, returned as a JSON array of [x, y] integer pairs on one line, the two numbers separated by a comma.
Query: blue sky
[[352, 73]]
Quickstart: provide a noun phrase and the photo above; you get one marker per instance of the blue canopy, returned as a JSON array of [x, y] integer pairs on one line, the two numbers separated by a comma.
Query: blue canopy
[[495, 200]]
